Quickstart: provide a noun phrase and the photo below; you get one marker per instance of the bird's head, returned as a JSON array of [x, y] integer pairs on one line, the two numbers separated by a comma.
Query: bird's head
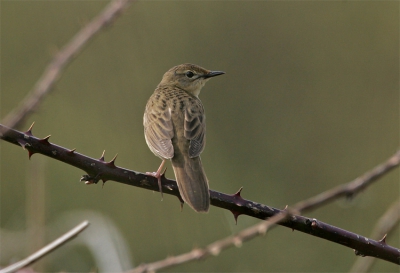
[[189, 77]]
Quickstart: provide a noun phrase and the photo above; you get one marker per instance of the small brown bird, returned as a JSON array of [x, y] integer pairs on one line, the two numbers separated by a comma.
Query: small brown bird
[[175, 128]]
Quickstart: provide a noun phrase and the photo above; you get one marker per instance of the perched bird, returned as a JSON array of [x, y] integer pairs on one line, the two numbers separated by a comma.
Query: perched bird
[[175, 128]]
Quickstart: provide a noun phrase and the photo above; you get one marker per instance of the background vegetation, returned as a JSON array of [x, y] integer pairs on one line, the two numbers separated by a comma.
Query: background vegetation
[[310, 100]]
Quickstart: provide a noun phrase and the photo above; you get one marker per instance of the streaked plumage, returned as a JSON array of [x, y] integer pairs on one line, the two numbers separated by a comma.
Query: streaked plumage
[[175, 128]]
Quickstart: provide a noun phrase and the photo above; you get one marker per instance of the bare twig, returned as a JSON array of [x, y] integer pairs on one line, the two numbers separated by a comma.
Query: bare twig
[[350, 189], [212, 249], [98, 169], [61, 60], [389, 220], [47, 249], [36, 208]]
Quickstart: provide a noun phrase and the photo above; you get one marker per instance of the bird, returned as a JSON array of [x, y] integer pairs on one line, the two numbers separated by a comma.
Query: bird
[[175, 128]]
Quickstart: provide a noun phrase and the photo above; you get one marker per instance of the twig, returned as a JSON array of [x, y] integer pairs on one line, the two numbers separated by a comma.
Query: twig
[[350, 189], [212, 249], [389, 220], [47, 249], [61, 60]]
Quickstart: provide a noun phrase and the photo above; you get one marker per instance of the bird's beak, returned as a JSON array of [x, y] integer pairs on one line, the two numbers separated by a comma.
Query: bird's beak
[[213, 74]]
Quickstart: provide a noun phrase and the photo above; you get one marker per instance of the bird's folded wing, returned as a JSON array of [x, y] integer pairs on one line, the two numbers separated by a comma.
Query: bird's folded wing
[[195, 129], [158, 130]]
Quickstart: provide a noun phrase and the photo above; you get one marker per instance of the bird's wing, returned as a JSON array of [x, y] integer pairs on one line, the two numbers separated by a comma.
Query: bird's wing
[[158, 131], [195, 129]]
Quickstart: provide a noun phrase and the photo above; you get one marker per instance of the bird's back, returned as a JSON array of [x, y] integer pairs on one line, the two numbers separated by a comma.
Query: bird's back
[[179, 119], [175, 128]]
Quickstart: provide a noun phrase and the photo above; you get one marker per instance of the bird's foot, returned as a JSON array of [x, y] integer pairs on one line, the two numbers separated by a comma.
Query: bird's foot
[[158, 174]]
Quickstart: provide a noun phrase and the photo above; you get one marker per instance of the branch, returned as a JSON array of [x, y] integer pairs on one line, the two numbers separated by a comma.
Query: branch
[[61, 60], [389, 220], [98, 169], [47, 249], [360, 244]]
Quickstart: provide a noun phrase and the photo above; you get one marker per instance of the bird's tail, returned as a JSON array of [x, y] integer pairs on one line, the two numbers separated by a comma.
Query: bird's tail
[[192, 182]]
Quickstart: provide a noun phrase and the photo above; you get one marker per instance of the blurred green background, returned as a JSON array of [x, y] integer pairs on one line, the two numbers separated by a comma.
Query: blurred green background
[[310, 100]]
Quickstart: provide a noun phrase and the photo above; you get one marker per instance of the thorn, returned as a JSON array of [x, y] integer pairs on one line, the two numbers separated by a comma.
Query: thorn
[[30, 153], [181, 203], [383, 240], [286, 207], [112, 162], [238, 200], [29, 132], [235, 215], [115, 157], [239, 191], [102, 156], [104, 182], [45, 140], [71, 152]]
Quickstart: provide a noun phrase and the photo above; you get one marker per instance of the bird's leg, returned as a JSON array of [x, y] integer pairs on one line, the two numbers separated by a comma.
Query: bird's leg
[[158, 175]]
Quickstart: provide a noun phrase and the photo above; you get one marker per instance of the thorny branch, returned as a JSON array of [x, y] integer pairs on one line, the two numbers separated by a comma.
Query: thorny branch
[[47, 249], [385, 224], [98, 169], [61, 60], [389, 220]]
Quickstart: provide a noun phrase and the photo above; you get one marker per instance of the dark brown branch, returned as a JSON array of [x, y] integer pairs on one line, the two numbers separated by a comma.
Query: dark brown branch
[[47, 249], [98, 169], [61, 60], [260, 230], [385, 225]]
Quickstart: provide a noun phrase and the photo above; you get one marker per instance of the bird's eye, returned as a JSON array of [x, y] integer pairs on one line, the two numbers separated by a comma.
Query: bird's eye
[[189, 74]]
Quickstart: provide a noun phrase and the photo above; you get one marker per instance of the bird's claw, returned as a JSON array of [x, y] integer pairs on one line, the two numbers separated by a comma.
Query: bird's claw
[[157, 175]]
